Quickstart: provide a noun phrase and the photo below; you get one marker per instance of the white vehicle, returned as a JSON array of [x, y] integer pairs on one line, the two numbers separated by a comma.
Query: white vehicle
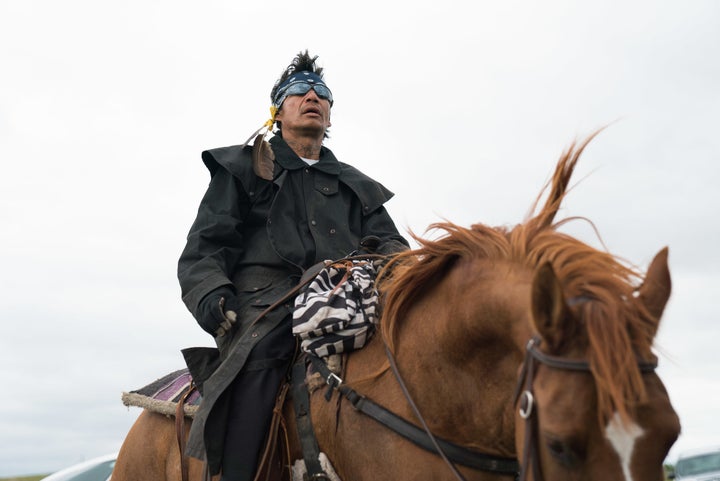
[[698, 466], [97, 469]]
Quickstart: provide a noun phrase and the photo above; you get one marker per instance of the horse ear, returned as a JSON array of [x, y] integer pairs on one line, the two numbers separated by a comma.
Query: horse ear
[[655, 291], [549, 309]]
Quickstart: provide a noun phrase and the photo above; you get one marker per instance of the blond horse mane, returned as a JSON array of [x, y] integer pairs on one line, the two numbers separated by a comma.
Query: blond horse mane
[[617, 325]]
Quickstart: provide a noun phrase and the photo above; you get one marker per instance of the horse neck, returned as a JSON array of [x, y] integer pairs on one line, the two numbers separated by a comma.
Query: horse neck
[[459, 348]]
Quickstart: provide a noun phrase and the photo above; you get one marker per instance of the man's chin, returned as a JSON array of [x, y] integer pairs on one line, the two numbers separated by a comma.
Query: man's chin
[[311, 129]]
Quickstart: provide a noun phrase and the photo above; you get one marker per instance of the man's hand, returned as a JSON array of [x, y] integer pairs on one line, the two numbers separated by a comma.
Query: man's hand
[[218, 311], [369, 244]]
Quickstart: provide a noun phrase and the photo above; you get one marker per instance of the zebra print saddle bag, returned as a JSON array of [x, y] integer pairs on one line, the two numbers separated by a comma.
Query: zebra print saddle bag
[[338, 311]]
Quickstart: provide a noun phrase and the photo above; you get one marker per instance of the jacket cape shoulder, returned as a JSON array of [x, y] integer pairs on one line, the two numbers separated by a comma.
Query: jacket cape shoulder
[[237, 160], [371, 193]]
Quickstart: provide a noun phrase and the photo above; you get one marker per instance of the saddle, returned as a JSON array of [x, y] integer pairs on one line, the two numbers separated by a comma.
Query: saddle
[[176, 395]]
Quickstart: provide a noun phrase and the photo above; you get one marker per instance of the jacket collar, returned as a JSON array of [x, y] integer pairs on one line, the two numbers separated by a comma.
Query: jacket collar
[[288, 159]]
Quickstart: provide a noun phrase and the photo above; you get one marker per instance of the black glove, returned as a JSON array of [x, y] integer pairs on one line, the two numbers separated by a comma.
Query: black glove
[[372, 244], [217, 311], [369, 244]]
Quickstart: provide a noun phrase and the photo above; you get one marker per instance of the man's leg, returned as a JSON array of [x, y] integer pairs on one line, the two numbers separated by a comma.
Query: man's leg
[[252, 399]]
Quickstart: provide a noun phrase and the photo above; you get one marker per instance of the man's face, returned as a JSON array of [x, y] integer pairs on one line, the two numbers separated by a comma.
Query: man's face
[[304, 115]]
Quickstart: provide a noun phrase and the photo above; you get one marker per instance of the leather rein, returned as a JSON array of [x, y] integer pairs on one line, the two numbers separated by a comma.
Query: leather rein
[[524, 395]]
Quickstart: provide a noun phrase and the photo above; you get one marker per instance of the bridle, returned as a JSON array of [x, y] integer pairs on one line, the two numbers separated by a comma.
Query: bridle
[[524, 395]]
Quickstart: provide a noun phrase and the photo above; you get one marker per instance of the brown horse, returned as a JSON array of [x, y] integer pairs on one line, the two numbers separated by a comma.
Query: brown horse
[[458, 313]]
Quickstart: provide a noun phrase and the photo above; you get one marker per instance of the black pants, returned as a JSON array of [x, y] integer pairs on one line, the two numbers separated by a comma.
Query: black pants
[[252, 398]]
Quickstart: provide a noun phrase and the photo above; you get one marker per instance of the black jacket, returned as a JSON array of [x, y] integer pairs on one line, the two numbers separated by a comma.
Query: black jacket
[[259, 236]]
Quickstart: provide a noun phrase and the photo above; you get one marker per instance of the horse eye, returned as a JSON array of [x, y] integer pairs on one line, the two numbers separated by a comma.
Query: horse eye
[[563, 452]]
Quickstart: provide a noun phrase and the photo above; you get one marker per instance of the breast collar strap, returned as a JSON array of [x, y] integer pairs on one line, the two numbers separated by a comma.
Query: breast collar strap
[[453, 452]]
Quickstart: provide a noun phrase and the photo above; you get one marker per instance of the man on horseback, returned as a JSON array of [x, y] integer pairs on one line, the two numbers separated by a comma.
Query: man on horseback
[[269, 213]]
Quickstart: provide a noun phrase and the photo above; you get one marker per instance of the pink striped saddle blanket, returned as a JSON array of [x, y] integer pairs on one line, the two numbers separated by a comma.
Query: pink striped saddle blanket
[[162, 395]]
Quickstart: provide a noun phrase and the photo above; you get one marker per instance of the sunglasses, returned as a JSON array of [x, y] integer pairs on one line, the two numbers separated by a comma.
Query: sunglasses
[[301, 88]]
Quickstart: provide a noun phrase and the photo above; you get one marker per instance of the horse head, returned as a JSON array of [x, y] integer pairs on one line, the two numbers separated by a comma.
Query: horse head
[[592, 405], [589, 403]]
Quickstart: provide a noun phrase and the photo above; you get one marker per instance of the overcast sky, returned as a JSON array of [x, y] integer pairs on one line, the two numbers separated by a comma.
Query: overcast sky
[[460, 108]]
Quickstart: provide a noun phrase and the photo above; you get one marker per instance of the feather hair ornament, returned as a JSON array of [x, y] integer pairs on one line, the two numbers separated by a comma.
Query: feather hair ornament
[[263, 157]]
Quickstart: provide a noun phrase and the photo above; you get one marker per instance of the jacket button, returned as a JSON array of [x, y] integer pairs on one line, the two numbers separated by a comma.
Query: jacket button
[[325, 189], [313, 222], [332, 231], [254, 334]]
